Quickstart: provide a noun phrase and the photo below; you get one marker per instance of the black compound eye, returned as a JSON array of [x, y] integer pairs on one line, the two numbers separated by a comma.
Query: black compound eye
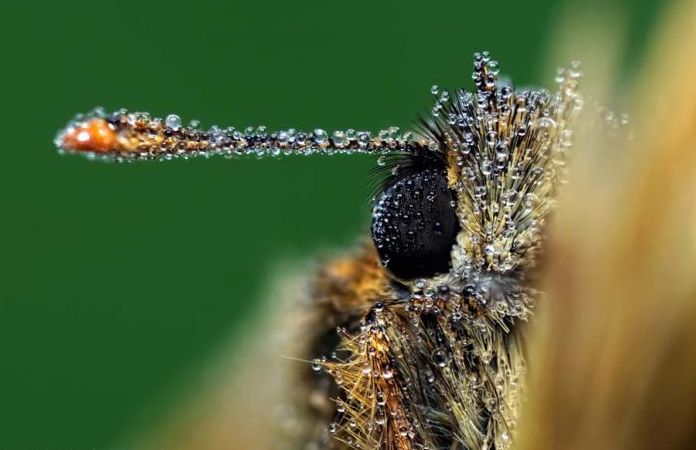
[[414, 225]]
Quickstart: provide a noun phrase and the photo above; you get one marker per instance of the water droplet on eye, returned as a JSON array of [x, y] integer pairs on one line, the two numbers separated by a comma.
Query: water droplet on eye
[[439, 357], [173, 121], [435, 89], [333, 428], [316, 365], [438, 229], [489, 249], [381, 161]]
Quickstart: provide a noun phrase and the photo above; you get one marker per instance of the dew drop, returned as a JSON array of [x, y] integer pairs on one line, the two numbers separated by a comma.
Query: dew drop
[[439, 357], [173, 121], [339, 138], [320, 136], [380, 416], [546, 122], [566, 138], [363, 139]]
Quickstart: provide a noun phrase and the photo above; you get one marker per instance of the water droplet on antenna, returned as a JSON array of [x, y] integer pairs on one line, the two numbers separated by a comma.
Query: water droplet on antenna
[[173, 121]]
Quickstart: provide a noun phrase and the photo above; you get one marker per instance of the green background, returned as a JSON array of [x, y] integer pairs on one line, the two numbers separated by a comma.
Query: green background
[[118, 282]]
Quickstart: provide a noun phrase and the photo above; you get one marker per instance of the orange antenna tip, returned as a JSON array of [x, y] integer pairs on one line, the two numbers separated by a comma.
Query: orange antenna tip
[[95, 135]]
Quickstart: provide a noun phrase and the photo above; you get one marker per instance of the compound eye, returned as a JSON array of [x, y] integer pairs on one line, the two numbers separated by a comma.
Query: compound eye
[[414, 225]]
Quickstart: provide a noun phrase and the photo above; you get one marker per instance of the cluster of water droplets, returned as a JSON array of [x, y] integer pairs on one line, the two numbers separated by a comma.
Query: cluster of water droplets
[[144, 137], [430, 362], [510, 148], [451, 339]]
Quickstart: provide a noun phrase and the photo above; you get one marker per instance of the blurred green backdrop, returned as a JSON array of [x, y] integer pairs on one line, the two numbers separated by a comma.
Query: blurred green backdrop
[[117, 282]]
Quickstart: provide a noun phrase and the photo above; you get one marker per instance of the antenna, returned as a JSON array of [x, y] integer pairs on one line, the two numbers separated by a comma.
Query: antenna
[[126, 136]]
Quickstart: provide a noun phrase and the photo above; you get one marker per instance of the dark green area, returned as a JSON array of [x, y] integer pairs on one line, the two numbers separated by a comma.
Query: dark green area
[[118, 281]]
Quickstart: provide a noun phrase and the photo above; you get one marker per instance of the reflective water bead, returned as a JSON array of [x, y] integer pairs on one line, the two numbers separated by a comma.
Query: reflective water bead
[[440, 357], [339, 138], [394, 133], [492, 67], [173, 121], [565, 138], [363, 138], [320, 136], [380, 416], [545, 122]]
